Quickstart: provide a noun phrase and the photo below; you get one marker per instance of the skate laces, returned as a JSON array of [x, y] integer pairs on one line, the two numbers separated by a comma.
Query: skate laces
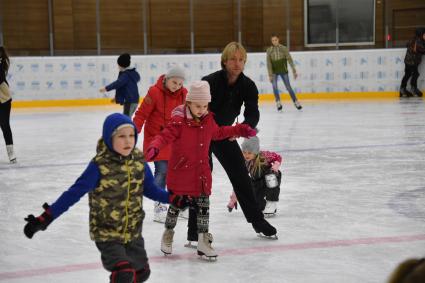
[[209, 238]]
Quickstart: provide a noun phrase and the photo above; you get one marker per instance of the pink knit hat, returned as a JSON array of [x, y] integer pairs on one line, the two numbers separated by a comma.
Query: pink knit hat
[[199, 91]]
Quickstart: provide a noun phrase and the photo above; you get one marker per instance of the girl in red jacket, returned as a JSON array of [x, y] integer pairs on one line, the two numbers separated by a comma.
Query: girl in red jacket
[[190, 132], [155, 113]]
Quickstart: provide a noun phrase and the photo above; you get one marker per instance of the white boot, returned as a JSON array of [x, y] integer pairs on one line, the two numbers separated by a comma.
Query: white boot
[[167, 241], [159, 212], [270, 209], [204, 245], [11, 153]]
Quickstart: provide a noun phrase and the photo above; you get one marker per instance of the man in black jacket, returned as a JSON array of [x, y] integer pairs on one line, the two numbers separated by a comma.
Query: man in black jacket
[[230, 89]]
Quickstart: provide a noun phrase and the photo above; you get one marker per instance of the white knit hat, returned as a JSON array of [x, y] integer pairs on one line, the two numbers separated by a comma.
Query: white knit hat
[[175, 72], [199, 91]]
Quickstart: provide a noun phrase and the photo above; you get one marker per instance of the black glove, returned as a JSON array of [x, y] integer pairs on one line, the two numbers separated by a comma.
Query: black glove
[[36, 224], [180, 201]]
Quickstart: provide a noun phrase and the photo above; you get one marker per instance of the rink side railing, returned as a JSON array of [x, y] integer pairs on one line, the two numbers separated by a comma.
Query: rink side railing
[[75, 80]]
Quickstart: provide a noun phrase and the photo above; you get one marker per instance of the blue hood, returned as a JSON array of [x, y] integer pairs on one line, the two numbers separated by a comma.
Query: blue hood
[[133, 74], [112, 122]]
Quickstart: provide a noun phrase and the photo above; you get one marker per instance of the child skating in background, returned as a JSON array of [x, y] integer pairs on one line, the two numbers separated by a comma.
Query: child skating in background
[[126, 90], [153, 114], [263, 167], [190, 132], [116, 180]]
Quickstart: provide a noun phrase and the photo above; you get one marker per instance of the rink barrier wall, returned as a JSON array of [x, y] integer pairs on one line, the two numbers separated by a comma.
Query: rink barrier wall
[[338, 74], [264, 98]]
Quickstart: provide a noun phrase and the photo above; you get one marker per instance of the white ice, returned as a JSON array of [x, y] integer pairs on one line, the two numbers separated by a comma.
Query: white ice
[[352, 203]]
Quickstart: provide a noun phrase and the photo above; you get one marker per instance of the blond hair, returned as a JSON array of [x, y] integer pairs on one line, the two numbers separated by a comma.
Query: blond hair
[[256, 165], [230, 50]]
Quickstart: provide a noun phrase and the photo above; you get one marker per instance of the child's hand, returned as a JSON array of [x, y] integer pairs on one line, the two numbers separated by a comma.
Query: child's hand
[[36, 224], [275, 166], [113, 100], [102, 89], [151, 153]]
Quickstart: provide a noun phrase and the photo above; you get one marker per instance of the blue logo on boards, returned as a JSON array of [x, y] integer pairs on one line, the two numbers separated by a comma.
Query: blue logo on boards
[[153, 67], [363, 88], [78, 84], [64, 84], [381, 60], [329, 89], [363, 61], [346, 75], [20, 67], [91, 66], [329, 62], [364, 75], [105, 67], [20, 85], [49, 84], [152, 80], [91, 83], [398, 60], [329, 76], [347, 89], [344, 61], [186, 65], [398, 74], [77, 67], [381, 88], [48, 68], [63, 67], [105, 81], [381, 75], [34, 67], [35, 85], [296, 62], [262, 64]]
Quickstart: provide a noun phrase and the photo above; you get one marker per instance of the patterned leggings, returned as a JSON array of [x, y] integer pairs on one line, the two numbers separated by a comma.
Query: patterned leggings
[[202, 208]]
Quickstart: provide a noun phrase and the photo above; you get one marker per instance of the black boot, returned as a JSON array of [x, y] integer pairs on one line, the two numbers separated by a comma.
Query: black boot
[[405, 93], [417, 92], [264, 227]]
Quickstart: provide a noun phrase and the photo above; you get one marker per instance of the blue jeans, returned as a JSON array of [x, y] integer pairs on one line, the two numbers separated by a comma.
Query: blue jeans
[[285, 79], [160, 173]]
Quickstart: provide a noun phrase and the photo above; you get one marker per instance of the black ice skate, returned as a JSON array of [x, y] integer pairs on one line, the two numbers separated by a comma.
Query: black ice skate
[[417, 92], [279, 106], [298, 105], [264, 229], [405, 93]]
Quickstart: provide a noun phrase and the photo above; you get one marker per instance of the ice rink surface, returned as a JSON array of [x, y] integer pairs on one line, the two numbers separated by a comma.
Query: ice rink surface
[[352, 203]]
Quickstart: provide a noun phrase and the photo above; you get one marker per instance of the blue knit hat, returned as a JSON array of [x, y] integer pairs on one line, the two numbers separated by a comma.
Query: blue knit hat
[[112, 123]]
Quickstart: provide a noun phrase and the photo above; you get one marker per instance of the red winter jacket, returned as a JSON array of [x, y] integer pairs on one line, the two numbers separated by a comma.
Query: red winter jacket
[[155, 113], [189, 172]]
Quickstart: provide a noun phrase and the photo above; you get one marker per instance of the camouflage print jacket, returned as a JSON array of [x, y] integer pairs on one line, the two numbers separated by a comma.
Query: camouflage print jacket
[[116, 212]]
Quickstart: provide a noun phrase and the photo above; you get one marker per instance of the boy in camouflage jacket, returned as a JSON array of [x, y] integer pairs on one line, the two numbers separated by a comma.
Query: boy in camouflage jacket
[[116, 180]]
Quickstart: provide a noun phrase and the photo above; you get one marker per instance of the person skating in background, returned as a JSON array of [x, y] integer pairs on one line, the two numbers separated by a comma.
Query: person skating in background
[[153, 114], [230, 89], [126, 90], [414, 52], [278, 58], [190, 132], [263, 167], [116, 180], [6, 105]]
